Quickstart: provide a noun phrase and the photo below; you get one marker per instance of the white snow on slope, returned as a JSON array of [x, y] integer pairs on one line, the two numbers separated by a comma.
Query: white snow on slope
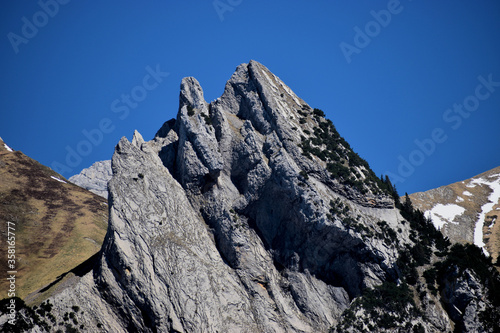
[[442, 214], [59, 180], [467, 193], [8, 148], [494, 184]]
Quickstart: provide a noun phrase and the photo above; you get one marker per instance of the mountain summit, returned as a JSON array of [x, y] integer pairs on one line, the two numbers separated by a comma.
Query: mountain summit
[[252, 214]]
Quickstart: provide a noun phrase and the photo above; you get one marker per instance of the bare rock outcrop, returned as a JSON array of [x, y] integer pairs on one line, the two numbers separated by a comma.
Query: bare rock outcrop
[[247, 214], [94, 178]]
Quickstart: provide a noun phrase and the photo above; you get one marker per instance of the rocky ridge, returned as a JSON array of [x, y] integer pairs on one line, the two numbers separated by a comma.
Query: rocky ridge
[[252, 214], [95, 178]]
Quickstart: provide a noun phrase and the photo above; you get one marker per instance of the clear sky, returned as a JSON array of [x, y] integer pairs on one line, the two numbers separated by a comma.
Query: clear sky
[[413, 86]]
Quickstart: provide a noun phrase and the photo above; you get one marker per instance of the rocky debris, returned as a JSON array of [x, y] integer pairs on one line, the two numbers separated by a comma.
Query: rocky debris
[[94, 178], [465, 298], [235, 217]]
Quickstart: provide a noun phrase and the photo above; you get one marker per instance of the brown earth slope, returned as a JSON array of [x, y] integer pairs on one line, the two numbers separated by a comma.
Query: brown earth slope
[[477, 204], [58, 225]]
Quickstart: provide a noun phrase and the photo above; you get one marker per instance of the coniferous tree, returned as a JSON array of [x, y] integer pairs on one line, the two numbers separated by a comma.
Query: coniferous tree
[[408, 206]]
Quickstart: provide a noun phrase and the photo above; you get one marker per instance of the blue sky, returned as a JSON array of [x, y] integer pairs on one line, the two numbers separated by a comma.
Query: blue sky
[[413, 86]]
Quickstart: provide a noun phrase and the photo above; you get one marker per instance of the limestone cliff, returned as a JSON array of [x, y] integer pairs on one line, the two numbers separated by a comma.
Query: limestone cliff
[[94, 178], [252, 214]]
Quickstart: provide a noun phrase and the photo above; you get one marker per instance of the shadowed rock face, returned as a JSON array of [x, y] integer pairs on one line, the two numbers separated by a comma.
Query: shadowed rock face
[[222, 223]]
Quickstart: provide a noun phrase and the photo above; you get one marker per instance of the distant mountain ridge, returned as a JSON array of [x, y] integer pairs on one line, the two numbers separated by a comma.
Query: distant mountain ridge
[[466, 211], [95, 178]]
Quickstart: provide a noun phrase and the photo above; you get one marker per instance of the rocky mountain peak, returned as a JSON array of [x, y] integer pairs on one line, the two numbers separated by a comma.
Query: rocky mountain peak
[[252, 214], [258, 104], [235, 166], [94, 178]]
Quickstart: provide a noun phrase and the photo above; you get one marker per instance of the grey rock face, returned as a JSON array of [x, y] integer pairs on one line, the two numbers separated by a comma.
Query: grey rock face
[[94, 178], [466, 298], [222, 224]]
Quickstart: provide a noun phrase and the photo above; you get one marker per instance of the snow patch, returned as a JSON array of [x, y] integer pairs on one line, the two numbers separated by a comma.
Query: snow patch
[[442, 214], [493, 222], [460, 199], [494, 184], [467, 193], [59, 180], [8, 148]]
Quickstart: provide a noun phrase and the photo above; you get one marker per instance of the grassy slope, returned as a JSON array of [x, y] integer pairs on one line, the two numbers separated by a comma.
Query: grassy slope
[[58, 225]]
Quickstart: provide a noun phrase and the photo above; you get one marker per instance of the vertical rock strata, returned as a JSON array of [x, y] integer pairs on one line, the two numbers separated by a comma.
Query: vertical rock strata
[[221, 223]]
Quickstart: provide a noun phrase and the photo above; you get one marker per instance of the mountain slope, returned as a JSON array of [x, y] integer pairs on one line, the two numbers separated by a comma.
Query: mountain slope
[[466, 211], [57, 224], [252, 214], [94, 178]]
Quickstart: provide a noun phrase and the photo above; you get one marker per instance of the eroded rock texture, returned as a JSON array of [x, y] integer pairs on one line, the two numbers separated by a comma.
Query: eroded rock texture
[[226, 222]]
